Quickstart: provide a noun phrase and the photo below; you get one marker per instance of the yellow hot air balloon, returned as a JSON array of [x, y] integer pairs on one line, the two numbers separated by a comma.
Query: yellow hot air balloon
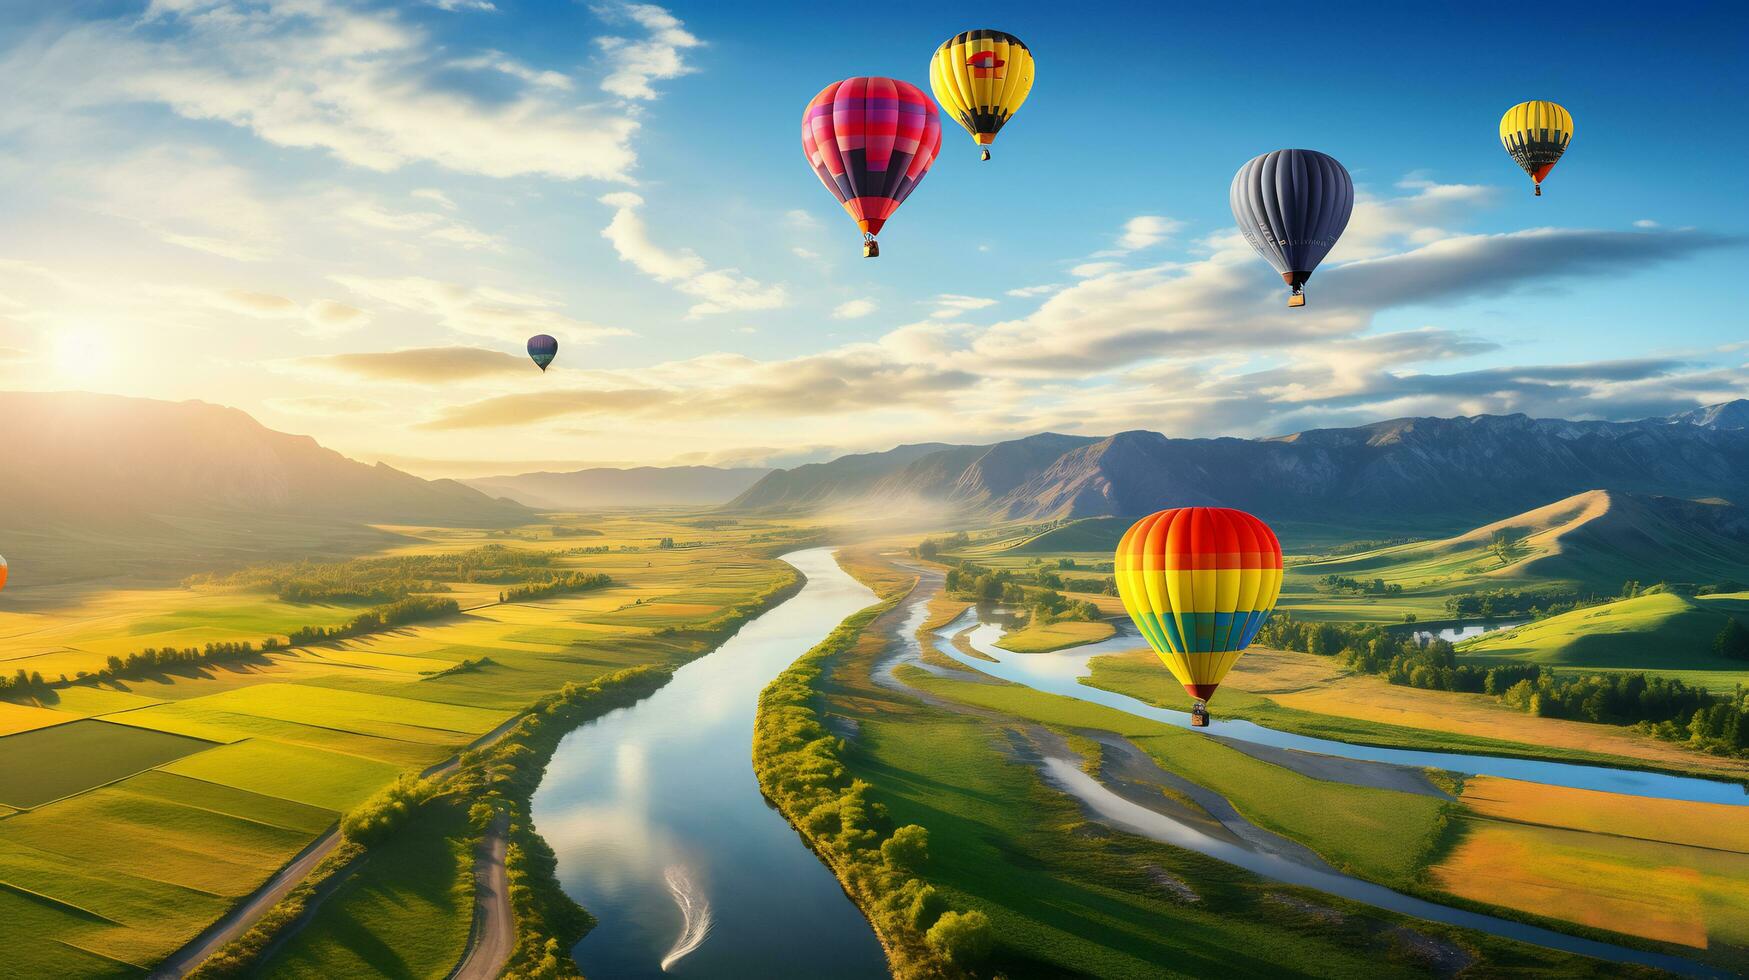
[[981, 78], [1536, 133], [1199, 582]]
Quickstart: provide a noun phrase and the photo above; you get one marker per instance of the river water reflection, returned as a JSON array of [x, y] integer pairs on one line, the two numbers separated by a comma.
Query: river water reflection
[[662, 833]]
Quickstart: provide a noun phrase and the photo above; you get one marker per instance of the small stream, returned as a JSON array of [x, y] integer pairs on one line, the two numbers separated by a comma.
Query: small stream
[[1257, 850], [1061, 673]]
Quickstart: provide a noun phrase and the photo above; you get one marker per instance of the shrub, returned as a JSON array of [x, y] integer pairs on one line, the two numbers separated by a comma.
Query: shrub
[[962, 938]]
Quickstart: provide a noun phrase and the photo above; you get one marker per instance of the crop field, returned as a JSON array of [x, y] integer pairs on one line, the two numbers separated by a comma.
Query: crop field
[[1691, 896], [1709, 825], [293, 772], [160, 798], [40, 766]]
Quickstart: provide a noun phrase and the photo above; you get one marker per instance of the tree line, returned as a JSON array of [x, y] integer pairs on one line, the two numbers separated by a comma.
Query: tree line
[[1665, 706], [384, 579], [573, 582]]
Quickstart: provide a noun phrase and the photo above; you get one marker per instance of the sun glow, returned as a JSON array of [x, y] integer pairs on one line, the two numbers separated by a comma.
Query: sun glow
[[80, 352]]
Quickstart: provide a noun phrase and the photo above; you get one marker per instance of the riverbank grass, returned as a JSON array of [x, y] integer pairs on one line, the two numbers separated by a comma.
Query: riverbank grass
[[1047, 637]]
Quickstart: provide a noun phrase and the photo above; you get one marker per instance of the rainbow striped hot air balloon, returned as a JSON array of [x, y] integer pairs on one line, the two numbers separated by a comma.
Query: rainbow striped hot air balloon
[[2, 571], [1199, 582]]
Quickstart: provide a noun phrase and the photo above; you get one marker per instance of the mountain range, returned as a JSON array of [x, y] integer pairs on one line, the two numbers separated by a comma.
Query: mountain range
[[607, 487], [102, 488], [1431, 474]]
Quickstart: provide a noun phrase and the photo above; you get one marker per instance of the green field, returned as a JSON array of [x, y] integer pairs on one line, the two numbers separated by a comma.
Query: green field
[[1657, 633], [1045, 638], [404, 914], [41, 766]]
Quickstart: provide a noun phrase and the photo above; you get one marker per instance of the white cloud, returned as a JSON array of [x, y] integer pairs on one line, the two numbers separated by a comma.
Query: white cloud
[[498, 61], [635, 63], [435, 196], [1027, 292], [1645, 223], [424, 224], [719, 290], [1145, 230], [853, 309], [359, 84], [1088, 270], [950, 305], [478, 311]]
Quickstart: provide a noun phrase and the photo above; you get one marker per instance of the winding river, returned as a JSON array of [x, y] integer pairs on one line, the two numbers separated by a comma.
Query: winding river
[[662, 834]]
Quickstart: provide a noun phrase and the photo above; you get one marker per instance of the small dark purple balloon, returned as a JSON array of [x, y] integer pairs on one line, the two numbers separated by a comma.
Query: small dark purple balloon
[[542, 349]]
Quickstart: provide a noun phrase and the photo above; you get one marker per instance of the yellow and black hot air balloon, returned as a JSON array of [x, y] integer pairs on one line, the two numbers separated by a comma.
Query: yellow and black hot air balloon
[[1536, 133], [981, 78], [1199, 582]]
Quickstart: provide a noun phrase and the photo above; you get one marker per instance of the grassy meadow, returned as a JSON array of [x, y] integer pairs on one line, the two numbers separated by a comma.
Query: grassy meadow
[[222, 772]]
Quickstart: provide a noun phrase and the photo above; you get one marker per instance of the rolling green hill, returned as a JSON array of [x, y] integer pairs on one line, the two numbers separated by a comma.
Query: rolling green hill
[[1593, 541], [1661, 632]]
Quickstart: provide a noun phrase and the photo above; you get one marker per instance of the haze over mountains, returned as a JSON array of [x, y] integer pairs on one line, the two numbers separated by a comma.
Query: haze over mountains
[[642, 486], [1427, 473]]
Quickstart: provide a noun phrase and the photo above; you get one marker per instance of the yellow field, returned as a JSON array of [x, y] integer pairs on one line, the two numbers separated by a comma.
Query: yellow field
[[1713, 825], [16, 718], [1293, 680], [1669, 892]]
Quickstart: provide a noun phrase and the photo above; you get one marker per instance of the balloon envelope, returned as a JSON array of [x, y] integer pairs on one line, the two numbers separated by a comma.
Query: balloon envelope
[[1292, 205], [1536, 133], [2, 571], [1199, 582], [542, 349], [870, 141], [981, 78]]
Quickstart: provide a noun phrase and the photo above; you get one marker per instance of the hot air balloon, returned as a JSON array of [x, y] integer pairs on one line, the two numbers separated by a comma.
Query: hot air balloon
[[542, 349], [1536, 133], [871, 140], [1292, 205], [1199, 582], [2, 571], [981, 78]]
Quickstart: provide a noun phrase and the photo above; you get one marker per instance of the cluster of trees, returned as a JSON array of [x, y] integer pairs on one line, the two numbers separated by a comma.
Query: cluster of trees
[[1497, 603], [1356, 547], [972, 581], [1721, 728], [572, 582], [1616, 699], [1351, 586], [1046, 606], [931, 547], [25, 682], [413, 609], [1664, 705], [382, 579], [801, 770], [566, 531], [1732, 641]]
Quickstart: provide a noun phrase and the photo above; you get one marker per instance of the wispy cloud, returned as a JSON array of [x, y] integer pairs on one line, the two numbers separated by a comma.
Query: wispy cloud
[[424, 365], [718, 290], [480, 311], [853, 309], [634, 63]]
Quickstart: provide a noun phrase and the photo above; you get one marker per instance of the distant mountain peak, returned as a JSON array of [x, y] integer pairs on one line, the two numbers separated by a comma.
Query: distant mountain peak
[[1723, 415]]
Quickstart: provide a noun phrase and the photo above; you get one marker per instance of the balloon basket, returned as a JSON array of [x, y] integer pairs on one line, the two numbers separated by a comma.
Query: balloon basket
[[986, 154], [1297, 299], [1199, 716], [871, 249], [1539, 190]]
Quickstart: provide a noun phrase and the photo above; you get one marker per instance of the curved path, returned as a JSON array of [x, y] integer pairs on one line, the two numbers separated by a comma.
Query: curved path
[[494, 932], [1113, 798]]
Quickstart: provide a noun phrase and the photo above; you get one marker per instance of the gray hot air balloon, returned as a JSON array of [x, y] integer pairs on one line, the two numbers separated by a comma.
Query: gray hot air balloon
[[1292, 205]]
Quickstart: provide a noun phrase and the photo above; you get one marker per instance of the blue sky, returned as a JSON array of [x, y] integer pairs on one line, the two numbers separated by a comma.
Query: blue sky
[[344, 218]]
